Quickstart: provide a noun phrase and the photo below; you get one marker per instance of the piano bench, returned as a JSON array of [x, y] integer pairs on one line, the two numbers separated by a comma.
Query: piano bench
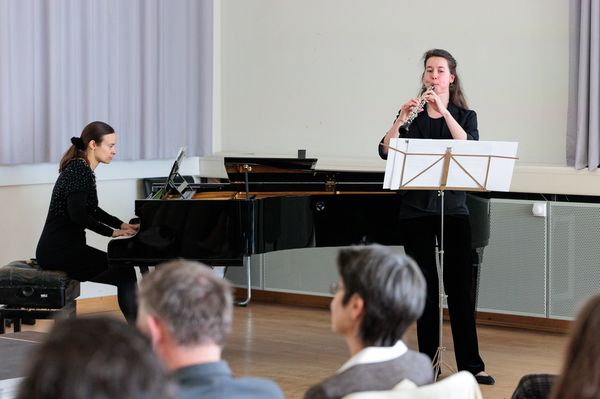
[[28, 292]]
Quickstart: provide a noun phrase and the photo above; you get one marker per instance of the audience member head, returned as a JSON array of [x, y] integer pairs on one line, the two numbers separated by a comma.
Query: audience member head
[[580, 376], [95, 358], [184, 304], [379, 294]]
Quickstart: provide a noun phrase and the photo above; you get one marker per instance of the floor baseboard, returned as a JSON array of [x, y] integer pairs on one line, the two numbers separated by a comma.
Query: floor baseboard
[[483, 318]]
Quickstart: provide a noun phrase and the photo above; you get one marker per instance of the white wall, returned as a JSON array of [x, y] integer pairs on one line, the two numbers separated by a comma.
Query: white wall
[[330, 75]]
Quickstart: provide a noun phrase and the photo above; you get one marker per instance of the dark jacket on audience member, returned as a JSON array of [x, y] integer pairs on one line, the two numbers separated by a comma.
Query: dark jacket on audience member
[[534, 386]]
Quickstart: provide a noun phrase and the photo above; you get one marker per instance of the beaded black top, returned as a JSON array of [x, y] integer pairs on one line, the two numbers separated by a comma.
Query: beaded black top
[[74, 208]]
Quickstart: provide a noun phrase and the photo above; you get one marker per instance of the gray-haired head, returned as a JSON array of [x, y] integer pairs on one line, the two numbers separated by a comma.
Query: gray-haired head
[[392, 287], [193, 303]]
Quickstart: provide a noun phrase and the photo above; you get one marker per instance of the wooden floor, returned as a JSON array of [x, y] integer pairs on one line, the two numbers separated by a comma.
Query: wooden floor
[[294, 347]]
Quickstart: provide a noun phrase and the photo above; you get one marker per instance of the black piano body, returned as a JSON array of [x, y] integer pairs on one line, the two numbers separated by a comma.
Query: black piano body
[[221, 232], [271, 204]]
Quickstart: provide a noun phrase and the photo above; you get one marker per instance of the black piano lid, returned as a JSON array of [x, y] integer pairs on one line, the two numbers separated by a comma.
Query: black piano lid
[[266, 169], [275, 171]]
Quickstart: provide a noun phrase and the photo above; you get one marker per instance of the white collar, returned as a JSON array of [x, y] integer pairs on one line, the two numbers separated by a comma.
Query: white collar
[[375, 354]]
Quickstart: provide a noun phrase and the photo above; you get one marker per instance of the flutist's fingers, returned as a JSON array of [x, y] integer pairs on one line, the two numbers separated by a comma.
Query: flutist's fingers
[[413, 102], [406, 108], [435, 101]]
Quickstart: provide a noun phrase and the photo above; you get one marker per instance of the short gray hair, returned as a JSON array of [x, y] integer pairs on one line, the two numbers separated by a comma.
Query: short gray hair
[[195, 305], [392, 287]]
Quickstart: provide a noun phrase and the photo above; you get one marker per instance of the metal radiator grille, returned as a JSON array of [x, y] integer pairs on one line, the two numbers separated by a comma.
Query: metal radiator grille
[[574, 264], [308, 271], [513, 272]]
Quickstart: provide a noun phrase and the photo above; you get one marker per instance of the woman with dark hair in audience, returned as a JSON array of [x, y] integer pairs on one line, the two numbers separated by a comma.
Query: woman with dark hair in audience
[[580, 375], [95, 358], [74, 208]]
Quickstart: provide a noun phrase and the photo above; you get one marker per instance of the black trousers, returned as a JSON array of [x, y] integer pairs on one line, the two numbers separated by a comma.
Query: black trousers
[[85, 263], [420, 243]]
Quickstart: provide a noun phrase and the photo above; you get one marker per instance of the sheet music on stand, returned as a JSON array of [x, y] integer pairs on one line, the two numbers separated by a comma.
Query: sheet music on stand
[[471, 165]]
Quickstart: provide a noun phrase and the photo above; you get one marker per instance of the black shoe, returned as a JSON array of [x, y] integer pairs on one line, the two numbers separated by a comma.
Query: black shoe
[[485, 379]]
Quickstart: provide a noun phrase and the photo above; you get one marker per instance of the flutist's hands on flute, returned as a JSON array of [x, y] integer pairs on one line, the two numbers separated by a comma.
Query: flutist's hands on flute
[[437, 106], [406, 109], [435, 102], [403, 116]]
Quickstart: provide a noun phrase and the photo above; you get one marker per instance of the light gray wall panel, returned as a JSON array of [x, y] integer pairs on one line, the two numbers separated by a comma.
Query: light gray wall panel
[[309, 270], [237, 275], [513, 274], [574, 262]]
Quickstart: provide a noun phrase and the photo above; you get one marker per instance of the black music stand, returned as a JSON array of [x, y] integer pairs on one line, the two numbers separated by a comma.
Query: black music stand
[[415, 164], [170, 184]]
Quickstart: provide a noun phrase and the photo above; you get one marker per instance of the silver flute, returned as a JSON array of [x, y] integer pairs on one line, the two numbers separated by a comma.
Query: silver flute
[[415, 110]]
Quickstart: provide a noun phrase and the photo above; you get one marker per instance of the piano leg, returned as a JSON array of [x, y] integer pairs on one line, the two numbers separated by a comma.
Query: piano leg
[[248, 283]]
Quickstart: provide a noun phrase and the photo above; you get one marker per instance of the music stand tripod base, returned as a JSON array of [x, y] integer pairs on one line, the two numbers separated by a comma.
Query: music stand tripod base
[[438, 358]]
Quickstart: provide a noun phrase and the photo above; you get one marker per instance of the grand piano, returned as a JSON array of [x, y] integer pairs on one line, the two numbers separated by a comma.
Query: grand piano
[[267, 204]]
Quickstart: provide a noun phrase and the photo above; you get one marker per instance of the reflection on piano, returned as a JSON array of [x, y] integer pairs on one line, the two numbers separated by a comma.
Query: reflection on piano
[[268, 204]]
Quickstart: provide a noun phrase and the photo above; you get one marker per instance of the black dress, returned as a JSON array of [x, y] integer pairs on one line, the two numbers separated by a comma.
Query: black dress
[[62, 245], [420, 213]]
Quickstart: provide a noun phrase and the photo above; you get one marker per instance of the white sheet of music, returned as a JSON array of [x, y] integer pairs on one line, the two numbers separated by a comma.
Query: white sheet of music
[[477, 165]]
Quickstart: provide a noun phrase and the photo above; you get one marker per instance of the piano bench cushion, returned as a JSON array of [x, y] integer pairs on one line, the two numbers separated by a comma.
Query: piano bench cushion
[[25, 284]]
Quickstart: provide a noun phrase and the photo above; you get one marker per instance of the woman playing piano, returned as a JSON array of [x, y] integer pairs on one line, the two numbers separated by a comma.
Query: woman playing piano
[[74, 208], [441, 113]]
